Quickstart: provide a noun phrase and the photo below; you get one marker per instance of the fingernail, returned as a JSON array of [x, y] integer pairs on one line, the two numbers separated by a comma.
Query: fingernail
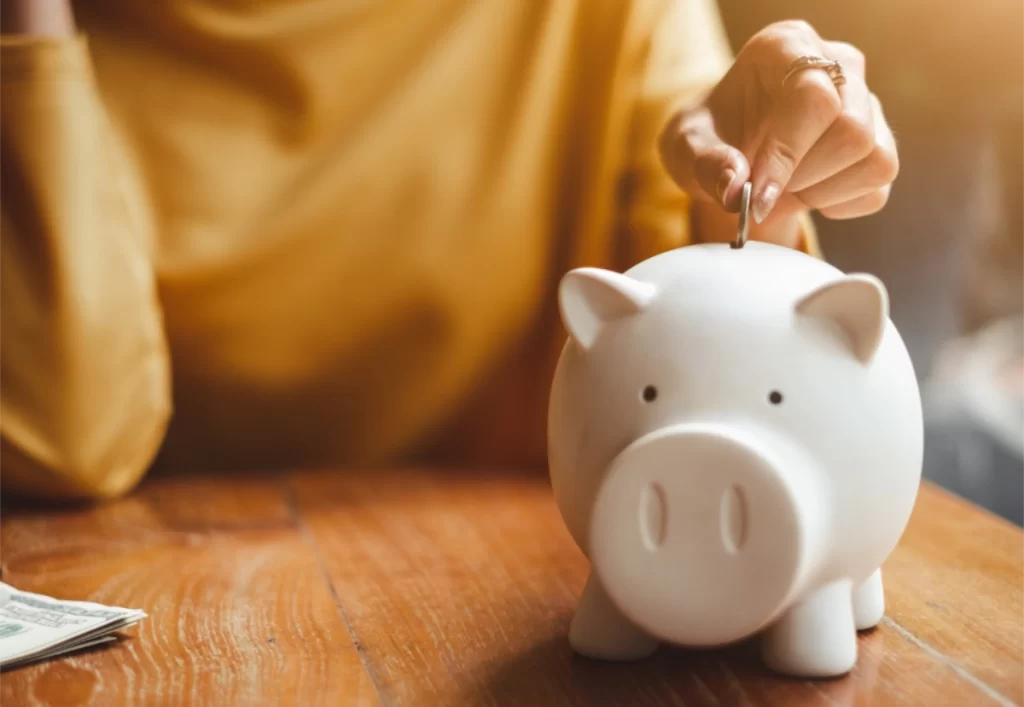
[[765, 201], [724, 182]]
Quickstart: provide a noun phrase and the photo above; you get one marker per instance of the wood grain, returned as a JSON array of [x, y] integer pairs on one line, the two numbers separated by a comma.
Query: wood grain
[[458, 589], [239, 612], [957, 583]]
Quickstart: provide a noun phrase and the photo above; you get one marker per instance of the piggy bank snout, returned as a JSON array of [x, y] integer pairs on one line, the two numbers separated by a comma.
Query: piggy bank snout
[[701, 535]]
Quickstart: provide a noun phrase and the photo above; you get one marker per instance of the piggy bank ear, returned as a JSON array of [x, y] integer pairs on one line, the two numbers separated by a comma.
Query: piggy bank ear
[[591, 298], [857, 305]]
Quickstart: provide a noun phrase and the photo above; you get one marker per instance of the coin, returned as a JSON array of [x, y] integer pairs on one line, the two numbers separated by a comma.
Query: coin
[[744, 228]]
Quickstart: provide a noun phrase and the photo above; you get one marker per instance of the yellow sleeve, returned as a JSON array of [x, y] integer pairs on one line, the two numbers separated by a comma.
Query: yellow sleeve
[[84, 370], [687, 53]]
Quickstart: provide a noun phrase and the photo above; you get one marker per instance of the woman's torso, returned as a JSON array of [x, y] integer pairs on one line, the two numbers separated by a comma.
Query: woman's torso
[[357, 209]]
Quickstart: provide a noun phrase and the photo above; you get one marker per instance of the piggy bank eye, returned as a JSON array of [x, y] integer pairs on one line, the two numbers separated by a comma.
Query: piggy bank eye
[[775, 397], [650, 394]]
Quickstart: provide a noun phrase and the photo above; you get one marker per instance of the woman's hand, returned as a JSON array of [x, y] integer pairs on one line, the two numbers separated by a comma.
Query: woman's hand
[[804, 143]]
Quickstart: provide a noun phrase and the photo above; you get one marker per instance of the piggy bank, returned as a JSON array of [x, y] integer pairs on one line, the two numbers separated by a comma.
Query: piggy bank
[[735, 442]]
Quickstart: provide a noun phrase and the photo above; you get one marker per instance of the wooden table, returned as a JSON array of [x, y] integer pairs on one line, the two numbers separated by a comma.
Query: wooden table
[[420, 587]]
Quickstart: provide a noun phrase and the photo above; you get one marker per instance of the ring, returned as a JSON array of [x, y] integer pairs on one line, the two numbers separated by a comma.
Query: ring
[[833, 68]]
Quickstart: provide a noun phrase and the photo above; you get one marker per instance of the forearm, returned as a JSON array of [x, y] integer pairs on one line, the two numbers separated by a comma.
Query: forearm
[[37, 18]]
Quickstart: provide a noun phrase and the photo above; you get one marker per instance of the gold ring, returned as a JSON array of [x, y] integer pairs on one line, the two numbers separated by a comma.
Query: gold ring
[[833, 68]]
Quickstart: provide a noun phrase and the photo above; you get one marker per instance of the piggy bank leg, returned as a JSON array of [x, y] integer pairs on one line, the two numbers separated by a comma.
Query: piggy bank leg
[[816, 638], [869, 602], [599, 630]]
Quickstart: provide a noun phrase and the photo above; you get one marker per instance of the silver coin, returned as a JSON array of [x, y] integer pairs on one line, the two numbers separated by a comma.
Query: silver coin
[[744, 229]]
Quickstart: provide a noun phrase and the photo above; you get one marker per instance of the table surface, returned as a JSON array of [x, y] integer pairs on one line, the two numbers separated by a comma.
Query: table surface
[[419, 587]]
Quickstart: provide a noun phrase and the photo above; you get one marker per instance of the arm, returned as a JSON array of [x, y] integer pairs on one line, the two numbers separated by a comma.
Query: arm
[[84, 374]]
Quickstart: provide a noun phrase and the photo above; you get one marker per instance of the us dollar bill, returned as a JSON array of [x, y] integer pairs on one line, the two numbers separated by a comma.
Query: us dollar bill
[[35, 627]]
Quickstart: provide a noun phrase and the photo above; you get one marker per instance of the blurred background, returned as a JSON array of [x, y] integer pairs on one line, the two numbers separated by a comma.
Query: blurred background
[[949, 243]]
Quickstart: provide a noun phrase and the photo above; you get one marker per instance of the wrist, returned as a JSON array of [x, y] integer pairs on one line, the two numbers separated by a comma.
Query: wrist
[[37, 18]]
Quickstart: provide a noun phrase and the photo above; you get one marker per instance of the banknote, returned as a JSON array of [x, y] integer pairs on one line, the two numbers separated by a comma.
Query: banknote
[[35, 627]]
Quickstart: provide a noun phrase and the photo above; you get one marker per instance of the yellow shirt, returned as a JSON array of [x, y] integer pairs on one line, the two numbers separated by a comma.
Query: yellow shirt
[[318, 233]]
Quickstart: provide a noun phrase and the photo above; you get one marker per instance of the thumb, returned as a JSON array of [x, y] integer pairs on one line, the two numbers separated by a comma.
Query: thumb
[[701, 163]]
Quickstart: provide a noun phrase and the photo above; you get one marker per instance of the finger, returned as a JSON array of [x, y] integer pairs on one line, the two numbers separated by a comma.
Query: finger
[[851, 137], [701, 162], [877, 170], [865, 205], [805, 106], [797, 123]]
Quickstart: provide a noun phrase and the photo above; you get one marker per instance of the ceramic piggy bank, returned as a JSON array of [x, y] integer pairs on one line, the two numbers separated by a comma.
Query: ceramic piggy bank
[[735, 442]]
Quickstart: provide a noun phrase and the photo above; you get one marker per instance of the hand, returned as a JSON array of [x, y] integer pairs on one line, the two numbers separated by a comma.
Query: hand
[[805, 144]]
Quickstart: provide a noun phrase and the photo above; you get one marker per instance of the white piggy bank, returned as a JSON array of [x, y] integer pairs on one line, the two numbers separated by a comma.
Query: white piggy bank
[[735, 442]]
